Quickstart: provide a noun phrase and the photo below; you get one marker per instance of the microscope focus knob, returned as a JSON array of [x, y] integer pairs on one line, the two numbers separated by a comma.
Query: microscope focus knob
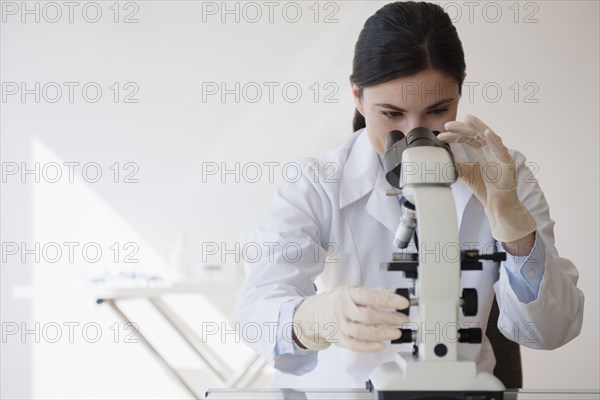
[[470, 335], [407, 336], [469, 302], [406, 294]]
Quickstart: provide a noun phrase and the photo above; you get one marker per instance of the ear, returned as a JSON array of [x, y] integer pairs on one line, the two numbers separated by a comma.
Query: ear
[[357, 98]]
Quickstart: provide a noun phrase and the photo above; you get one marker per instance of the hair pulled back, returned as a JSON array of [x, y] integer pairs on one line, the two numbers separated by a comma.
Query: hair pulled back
[[402, 39]]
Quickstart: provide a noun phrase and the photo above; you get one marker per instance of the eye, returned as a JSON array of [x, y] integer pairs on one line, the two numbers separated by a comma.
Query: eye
[[391, 114], [439, 111]]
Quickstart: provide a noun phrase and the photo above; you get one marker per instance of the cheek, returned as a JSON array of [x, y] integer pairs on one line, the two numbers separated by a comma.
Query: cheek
[[380, 129], [380, 124], [377, 133], [437, 123], [451, 116]]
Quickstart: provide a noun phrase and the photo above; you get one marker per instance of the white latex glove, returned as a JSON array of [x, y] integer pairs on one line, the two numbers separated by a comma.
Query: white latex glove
[[493, 179], [352, 317]]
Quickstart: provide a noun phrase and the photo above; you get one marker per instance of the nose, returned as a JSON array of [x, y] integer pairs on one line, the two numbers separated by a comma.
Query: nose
[[413, 122]]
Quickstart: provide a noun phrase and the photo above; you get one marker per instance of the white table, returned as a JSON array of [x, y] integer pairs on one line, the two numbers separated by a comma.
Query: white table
[[364, 394], [114, 295]]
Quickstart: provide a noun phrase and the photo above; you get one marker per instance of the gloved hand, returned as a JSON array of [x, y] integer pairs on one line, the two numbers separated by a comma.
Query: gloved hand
[[496, 186], [355, 318]]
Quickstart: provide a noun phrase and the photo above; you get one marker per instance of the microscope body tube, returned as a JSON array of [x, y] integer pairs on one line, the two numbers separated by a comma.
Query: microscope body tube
[[438, 286]]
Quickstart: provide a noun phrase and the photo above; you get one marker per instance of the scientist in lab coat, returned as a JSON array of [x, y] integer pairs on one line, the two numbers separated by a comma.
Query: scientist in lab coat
[[322, 310]]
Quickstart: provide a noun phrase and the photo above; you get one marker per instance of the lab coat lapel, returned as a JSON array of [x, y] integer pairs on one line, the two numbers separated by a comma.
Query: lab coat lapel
[[460, 190], [384, 208], [462, 194], [363, 174], [360, 170]]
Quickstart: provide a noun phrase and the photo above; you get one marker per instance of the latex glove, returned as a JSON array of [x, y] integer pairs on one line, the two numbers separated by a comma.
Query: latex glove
[[493, 179], [355, 318]]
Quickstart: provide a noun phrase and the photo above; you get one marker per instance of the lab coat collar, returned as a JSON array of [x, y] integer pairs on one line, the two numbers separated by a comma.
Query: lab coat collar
[[360, 170], [362, 173], [385, 209]]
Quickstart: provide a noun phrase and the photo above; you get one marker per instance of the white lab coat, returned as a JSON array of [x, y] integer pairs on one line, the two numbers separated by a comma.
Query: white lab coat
[[342, 211]]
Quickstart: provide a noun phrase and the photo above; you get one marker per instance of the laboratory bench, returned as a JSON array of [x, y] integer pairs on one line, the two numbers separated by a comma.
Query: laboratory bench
[[364, 394]]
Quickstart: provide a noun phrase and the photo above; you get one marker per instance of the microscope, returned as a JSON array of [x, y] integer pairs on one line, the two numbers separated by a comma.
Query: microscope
[[422, 167]]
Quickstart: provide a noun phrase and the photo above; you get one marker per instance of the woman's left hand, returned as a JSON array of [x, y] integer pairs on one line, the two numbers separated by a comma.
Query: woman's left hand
[[493, 179]]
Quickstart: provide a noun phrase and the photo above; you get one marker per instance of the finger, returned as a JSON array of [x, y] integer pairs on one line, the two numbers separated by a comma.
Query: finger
[[467, 171], [373, 316], [495, 143], [463, 171], [450, 137], [476, 123], [461, 127], [470, 173], [378, 298], [472, 126], [371, 333]]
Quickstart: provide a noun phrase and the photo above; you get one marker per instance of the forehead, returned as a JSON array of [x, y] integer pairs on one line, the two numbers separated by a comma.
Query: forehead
[[422, 89]]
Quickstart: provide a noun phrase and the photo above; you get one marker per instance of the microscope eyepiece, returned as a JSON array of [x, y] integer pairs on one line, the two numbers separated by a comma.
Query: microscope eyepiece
[[393, 137], [395, 144]]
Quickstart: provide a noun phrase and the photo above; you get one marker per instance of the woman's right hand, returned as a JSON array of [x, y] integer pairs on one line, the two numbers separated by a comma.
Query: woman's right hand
[[356, 318]]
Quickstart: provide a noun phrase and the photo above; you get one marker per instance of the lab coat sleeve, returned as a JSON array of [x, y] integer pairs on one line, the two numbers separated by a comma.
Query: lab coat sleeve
[[555, 315], [525, 272], [292, 257], [289, 357]]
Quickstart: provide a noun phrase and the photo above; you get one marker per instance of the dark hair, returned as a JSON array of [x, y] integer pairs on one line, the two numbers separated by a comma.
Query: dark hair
[[402, 39]]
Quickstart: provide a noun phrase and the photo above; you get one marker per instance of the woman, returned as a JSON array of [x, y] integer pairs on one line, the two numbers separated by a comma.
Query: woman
[[335, 225]]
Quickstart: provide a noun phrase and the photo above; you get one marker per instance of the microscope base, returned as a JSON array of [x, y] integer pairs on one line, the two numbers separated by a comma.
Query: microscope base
[[439, 395], [409, 378]]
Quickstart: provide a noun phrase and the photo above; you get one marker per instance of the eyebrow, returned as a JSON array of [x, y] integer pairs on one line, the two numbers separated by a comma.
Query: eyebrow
[[434, 105]]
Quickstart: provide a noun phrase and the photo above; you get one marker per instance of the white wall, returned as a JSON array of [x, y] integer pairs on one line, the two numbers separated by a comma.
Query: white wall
[[173, 52]]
